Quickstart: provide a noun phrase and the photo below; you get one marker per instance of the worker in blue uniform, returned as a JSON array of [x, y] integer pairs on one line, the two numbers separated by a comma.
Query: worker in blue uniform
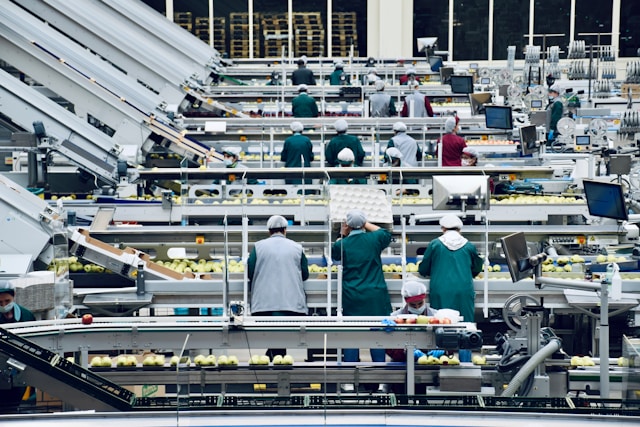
[[451, 262], [364, 290], [297, 151]]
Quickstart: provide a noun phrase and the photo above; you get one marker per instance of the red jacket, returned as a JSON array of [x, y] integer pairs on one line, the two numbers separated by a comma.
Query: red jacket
[[452, 146]]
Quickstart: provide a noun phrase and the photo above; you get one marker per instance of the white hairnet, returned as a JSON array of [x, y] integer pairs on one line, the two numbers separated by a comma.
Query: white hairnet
[[232, 151], [6, 287], [415, 85], [399, 127], [413, 288], [356, 218], [277, 221], [554, 88], [393, 152], [303, 88], [450, 221], [339, 64], [341, 125], [379, 85], [449, 125], [470, 151], [296, 126], [411, 71], [346, 155]]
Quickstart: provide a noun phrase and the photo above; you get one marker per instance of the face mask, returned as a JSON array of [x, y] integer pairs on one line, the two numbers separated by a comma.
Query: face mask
[[466, 162], [7, 308], [227, 162], [417, 310]]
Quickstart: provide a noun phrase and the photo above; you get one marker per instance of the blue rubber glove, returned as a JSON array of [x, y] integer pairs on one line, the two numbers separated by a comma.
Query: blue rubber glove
[[436, 353], [417, 354], [388, 324], [550, 135]]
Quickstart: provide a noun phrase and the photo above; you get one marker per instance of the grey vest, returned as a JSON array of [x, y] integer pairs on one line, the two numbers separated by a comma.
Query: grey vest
[[277, 281], [379, 105], [419, 109], [408, 147]]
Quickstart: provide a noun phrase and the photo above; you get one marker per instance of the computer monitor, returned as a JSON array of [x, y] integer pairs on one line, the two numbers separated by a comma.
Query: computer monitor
[[528, 139], [445, 75], [605, 199], [517, 255], [478, 101], [435, 62], [485, 80], [498, 117], [461, 84], [536, 103], [451, 192]]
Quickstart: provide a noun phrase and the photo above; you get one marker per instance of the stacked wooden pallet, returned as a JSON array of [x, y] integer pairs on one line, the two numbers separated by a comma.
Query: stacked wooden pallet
[[219, 32], [239, 35], [309, 38], [184, 19], [345, 33], [275, 32]]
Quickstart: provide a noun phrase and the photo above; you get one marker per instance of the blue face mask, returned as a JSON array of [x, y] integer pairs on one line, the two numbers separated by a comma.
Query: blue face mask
[[7, 308], [417, 310], [227, 162]]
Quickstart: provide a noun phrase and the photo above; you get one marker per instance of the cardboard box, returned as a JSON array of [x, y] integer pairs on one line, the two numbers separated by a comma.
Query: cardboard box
[[147, 390], [635, 90]]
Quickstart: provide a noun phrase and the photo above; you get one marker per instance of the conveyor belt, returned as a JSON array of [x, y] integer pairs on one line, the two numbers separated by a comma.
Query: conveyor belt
[[50, 372]]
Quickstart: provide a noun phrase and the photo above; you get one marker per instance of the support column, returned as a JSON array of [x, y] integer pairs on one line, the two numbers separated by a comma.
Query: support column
[[390, 28], [615, 28]]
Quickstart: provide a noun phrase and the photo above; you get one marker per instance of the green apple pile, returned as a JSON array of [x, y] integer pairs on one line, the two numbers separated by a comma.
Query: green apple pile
[[184, 360], [155, 360], [230, 360], [283, 360], [104, 361], [259, 360], [201, 266], [523, 199], [202, 360], [124, 360]]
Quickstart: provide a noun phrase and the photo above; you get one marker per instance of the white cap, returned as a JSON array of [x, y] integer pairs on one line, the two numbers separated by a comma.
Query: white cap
[[393, 152], [303, 88], [277, 221], [413, 288], [296, 126], [379, 85], [411, 71], [451, 221], [415, 85], [356, 218], [399, 127], [6, 287], [339, 64], [449, 125], [232, 150], [554, 88], [373, 70], [470, 151], [341, 125], [346, 155]]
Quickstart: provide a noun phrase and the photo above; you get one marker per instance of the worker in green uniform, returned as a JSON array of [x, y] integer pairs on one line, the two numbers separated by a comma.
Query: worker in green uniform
[[345, 160], [451, 262], [338, 77], [343, 140], [12, 312], [364, 290], [557, 110], [304, 105], [296, 149]]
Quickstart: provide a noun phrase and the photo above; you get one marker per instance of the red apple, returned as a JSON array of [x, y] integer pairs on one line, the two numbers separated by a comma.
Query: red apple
[[446, 321], [87, 319], [399, 320], [411, 320], [434, 321]]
